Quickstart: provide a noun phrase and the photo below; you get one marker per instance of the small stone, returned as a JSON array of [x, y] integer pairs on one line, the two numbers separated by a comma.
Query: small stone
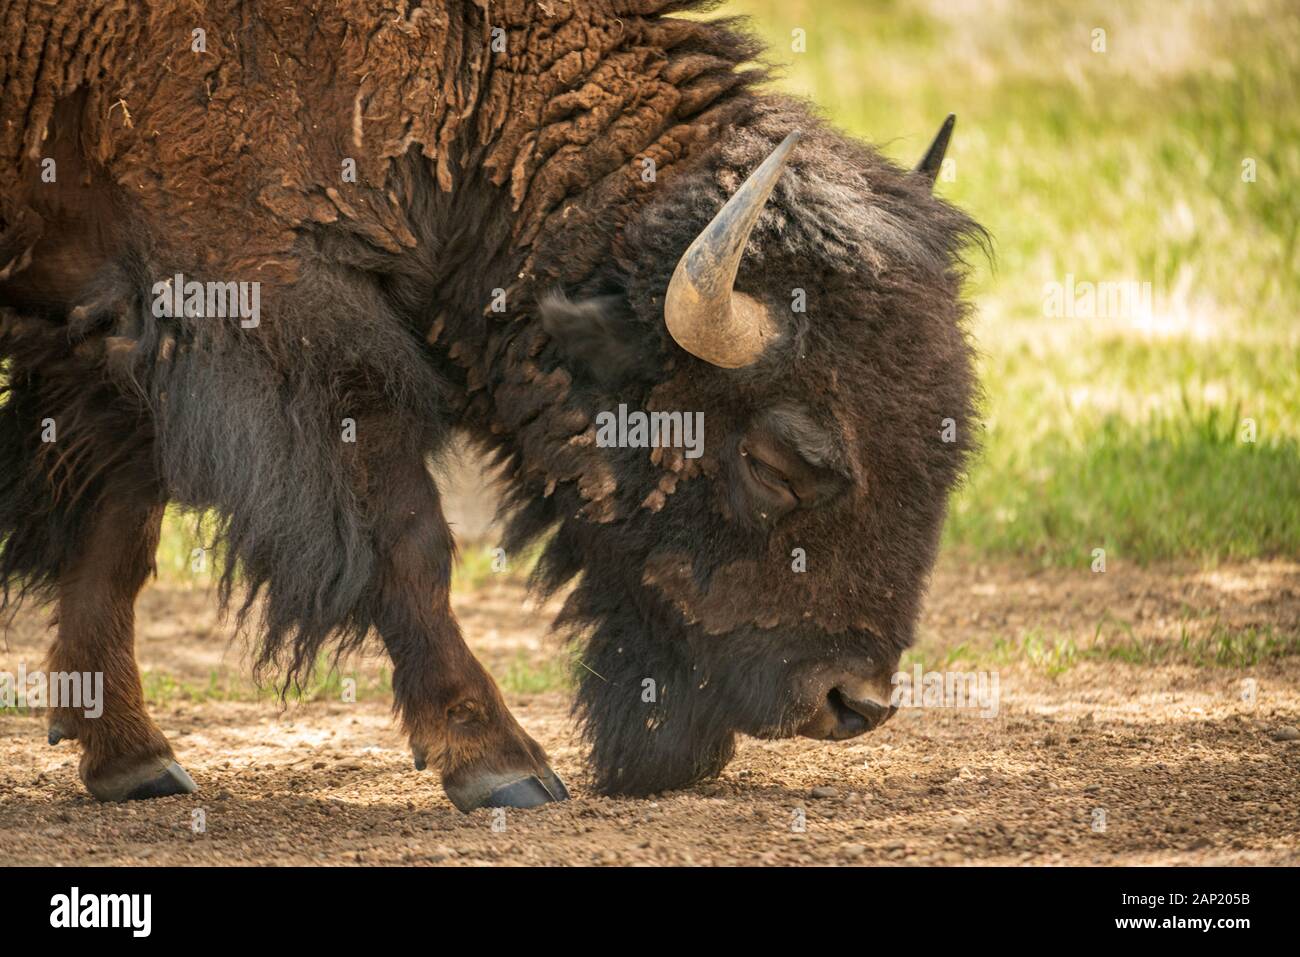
[[1286, 734], [852, 851], [824, 791]]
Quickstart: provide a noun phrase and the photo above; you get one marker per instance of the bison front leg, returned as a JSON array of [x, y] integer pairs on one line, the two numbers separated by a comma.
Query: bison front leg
[[124, 755], [450, 706]]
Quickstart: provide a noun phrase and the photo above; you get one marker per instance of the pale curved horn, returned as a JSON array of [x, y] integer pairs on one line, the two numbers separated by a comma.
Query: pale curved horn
[[703, 314]]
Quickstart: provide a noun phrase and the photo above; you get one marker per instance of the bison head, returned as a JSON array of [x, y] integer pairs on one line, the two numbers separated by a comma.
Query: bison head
[[799, 295]]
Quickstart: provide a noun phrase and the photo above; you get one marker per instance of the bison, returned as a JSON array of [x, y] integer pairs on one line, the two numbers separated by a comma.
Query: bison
[[267, 259]]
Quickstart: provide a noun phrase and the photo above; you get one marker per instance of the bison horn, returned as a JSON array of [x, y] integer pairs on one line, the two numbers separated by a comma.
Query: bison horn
[[933, 158], [704, 315]]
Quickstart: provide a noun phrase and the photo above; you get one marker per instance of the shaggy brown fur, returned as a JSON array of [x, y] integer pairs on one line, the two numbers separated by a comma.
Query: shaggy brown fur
[[486, 176]]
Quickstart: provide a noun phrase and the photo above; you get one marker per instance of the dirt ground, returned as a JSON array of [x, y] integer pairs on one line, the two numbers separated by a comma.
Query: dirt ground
[[1091, 758]]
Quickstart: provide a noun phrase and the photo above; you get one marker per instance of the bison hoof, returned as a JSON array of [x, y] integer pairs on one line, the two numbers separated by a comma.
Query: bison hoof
[[504, 790], [153, 777]]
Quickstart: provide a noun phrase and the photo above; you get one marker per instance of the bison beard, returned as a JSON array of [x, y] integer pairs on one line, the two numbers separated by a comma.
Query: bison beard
[[484, 176]]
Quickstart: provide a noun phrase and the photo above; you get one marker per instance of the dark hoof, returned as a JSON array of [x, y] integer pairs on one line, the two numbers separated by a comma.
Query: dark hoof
[[528, 792], [506, 791], [151, 778], [556, 787]]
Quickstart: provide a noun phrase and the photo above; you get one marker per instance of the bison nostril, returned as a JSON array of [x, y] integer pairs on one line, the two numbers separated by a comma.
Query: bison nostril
[[848, 710], [856, 715], [849, 723]]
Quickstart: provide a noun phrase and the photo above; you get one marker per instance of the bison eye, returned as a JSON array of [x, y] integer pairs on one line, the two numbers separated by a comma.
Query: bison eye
[[774, 479], [769, 486]]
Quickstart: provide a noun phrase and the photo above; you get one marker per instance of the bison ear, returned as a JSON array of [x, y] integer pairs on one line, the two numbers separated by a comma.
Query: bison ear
[[598, 338]]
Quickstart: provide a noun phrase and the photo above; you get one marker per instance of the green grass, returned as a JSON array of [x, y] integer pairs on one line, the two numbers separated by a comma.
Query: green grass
[[522, 675], [326, 683], [1177, 484], [1054, 652], [1120, 433], [479, 564], [528, 676], [185, 549], [1221, 646]]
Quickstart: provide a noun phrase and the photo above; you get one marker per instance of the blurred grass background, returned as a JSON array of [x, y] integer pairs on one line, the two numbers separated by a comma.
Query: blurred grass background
[[1124, 433]]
